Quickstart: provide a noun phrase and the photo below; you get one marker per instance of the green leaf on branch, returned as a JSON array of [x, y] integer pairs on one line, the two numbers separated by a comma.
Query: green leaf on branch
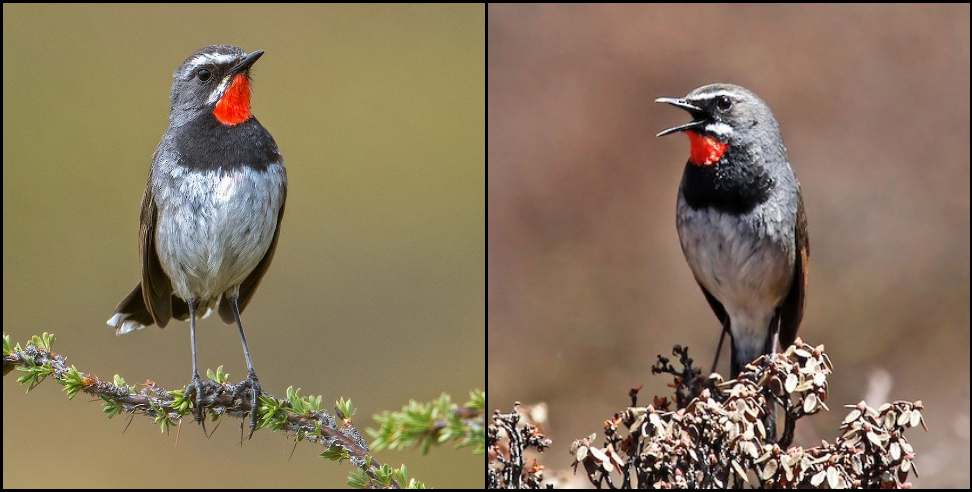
[[436, 422], [121, 383], [271, 414], [34, 374], [218, 376], [180, 404], [73, 382], [345, 409], [303, 405], [110, 408], [162, 418], [336, 453], [45, 341], [385, 476], [477, 400], [358, 479], [401, 477]]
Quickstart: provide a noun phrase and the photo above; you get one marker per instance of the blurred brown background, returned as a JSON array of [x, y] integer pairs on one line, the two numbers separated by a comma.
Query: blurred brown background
[[378, 285], [587, 282]]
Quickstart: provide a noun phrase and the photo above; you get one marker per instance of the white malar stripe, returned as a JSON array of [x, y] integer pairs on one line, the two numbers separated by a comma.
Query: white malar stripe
[[218, 92], [720, 129]]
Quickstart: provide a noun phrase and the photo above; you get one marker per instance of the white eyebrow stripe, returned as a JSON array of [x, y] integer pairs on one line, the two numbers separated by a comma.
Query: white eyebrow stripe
[[710, 95], [215, 58], [218, 91]]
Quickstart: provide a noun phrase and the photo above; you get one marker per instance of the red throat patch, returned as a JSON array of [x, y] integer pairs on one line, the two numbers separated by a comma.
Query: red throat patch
[[234, 107], [706, 150]]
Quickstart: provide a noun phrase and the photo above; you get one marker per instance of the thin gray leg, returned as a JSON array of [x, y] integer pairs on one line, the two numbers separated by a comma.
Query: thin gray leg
[[196, 386], [252, 382]]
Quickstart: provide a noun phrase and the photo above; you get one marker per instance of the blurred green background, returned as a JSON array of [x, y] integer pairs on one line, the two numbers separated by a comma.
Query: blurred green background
[[377, 288], [587, 281]]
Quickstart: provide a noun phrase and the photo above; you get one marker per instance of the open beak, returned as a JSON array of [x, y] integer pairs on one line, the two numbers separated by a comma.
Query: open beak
[[247, 62], [696, 112]]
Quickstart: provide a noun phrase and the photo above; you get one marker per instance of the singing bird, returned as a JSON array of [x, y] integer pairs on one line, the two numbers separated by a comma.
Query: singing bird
[[740, 219]]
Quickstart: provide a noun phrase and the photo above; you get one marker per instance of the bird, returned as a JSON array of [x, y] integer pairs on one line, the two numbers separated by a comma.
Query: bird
[[211, 211], [740, 220]]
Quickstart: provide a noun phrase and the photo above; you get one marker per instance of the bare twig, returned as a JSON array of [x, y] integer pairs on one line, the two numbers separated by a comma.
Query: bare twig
[[508, 438]]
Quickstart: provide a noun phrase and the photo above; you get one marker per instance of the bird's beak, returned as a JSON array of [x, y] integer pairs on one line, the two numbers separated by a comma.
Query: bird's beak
[[697, 114], [247, 62]]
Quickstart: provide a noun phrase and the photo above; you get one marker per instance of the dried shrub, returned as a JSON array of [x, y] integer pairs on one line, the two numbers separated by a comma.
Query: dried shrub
[[508, 437], [716, 436]]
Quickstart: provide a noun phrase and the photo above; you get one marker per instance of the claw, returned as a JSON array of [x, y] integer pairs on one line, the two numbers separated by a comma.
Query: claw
[[254, 384], [196, 392]]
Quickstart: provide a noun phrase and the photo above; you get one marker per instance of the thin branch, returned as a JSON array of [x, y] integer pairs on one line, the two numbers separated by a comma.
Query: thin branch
[[339, 437], [426, 424], [508, 436]]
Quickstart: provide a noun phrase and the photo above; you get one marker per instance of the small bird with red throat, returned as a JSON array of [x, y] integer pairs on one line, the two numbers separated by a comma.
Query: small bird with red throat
[[211, 211], [740, 219]]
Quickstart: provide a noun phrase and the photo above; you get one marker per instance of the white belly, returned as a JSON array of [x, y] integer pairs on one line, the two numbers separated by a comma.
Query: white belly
[[743, 261], [213, 228]]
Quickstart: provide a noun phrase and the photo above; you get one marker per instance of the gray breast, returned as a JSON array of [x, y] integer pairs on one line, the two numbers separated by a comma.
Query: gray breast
[[214, 226]]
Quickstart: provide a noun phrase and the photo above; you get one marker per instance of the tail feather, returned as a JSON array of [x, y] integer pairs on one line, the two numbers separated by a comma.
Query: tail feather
[[131, 314]]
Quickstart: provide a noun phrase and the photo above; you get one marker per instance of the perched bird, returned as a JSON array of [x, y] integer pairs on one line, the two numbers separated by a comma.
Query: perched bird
[[740, 219], [211, 212]]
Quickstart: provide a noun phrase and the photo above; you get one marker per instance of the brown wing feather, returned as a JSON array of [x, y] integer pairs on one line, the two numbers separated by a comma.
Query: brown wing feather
[[156, 287], [250, 283], [791, 310]]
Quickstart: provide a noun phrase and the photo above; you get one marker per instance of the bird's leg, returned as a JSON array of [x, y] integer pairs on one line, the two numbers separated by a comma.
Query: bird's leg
[[715, 363], [769, 420], [251, 383], [195, 390]]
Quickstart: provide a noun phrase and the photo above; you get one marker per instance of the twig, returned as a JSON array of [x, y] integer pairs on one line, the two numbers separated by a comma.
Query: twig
[[508, 437], [223, 399]]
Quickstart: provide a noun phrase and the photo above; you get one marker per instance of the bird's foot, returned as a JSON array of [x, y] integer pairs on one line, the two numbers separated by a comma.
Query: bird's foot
[[252, 384], [196, 393]]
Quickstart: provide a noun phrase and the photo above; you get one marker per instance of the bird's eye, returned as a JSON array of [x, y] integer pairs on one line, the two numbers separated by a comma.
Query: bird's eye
[[723, 103], [203, 74]]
